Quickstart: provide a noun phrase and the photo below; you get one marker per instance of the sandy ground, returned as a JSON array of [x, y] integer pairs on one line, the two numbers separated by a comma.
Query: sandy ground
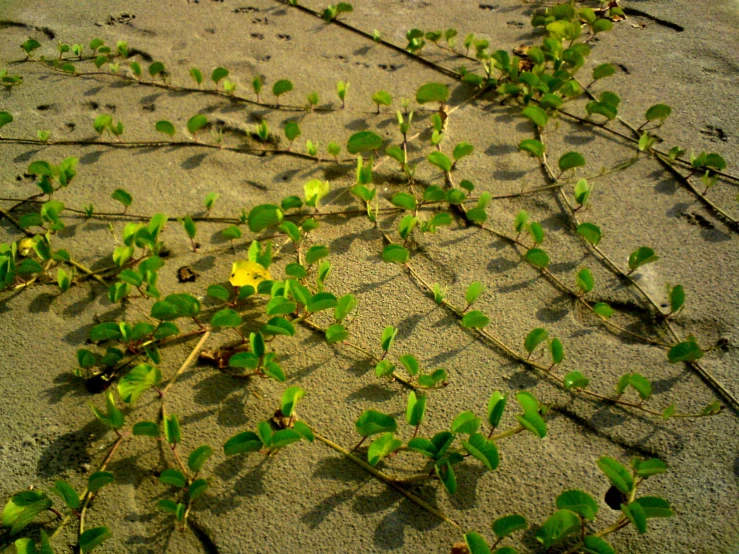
[[308, 497]]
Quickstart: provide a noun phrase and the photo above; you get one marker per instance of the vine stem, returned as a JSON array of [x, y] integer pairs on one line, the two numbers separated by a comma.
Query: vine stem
[[187, 362], [388, 480], [406, 382], [543, 370], [707, 376], [663, 159]]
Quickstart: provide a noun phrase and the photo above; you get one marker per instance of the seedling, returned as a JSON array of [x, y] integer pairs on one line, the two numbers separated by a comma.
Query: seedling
[[281, 87], [342, 88], [382, 98]]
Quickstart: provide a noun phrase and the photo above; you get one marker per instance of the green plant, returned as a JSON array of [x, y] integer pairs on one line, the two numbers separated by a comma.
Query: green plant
[[259, 305]]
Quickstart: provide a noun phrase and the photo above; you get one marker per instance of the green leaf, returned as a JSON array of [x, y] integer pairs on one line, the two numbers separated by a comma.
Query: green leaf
[[647, 468], [172, 507], [537, 257], [113, 418], [636, 515], [641, 256], [410, 364], [336, 333], [65, 491], [173, 477], [172, 431], [156, 68], [536, 115], [579, 502], [557, 350], [289, 399], [466, 423], [462, 150], [507, 525], [585, 280], [98, 480], [382, 98], [575, 380], [475, 319], [346, 305], [658, 111], [582, 192], [5, 118], [105, 331], [596, 545], [654, 506], [279, 326], [22, 508], [640, 383], [496, 407], [601, 25], [559, 526], [321, 301], [226, 318], [535, 338], [686, 351], [197, 488], [101, 123], [165, 127], [432, 92], [372, 422], [416, 408], [474, 290], [281, 87], [196, 122], [483, 449], [197, 75], [146, 429], [303, 430], [532, 146], [218, 74], [382, 446], [590, 232], [388, 336], [264, 216], [603, 71], [139, 379], [93, 537], [384, 368], [677, 298], [570, 160], [404, 200], [445, 473], [292, 130], [394, 253], [533, 422], [316, 253], [280, 305], [198, 457], [476, 544], [440, 160], [431, 380], [617, 474], [315, 189], [363, 141], [537, 232], [241, 443], [603, 310]]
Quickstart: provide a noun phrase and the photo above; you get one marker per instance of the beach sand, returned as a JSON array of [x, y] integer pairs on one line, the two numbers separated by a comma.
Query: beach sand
[[308, 497]]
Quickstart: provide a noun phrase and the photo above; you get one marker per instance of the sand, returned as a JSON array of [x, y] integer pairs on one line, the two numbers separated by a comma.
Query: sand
[[308, 497]]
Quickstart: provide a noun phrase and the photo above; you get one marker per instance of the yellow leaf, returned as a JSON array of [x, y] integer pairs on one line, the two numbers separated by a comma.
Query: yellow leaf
[[246, 273]]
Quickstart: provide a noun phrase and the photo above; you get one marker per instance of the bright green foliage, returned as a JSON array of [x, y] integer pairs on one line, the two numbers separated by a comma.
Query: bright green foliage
[[432, 92], [372, 422], [641, 256]]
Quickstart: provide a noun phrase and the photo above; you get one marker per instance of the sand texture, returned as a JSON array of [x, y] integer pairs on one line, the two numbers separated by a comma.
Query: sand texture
[[309, 498]]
